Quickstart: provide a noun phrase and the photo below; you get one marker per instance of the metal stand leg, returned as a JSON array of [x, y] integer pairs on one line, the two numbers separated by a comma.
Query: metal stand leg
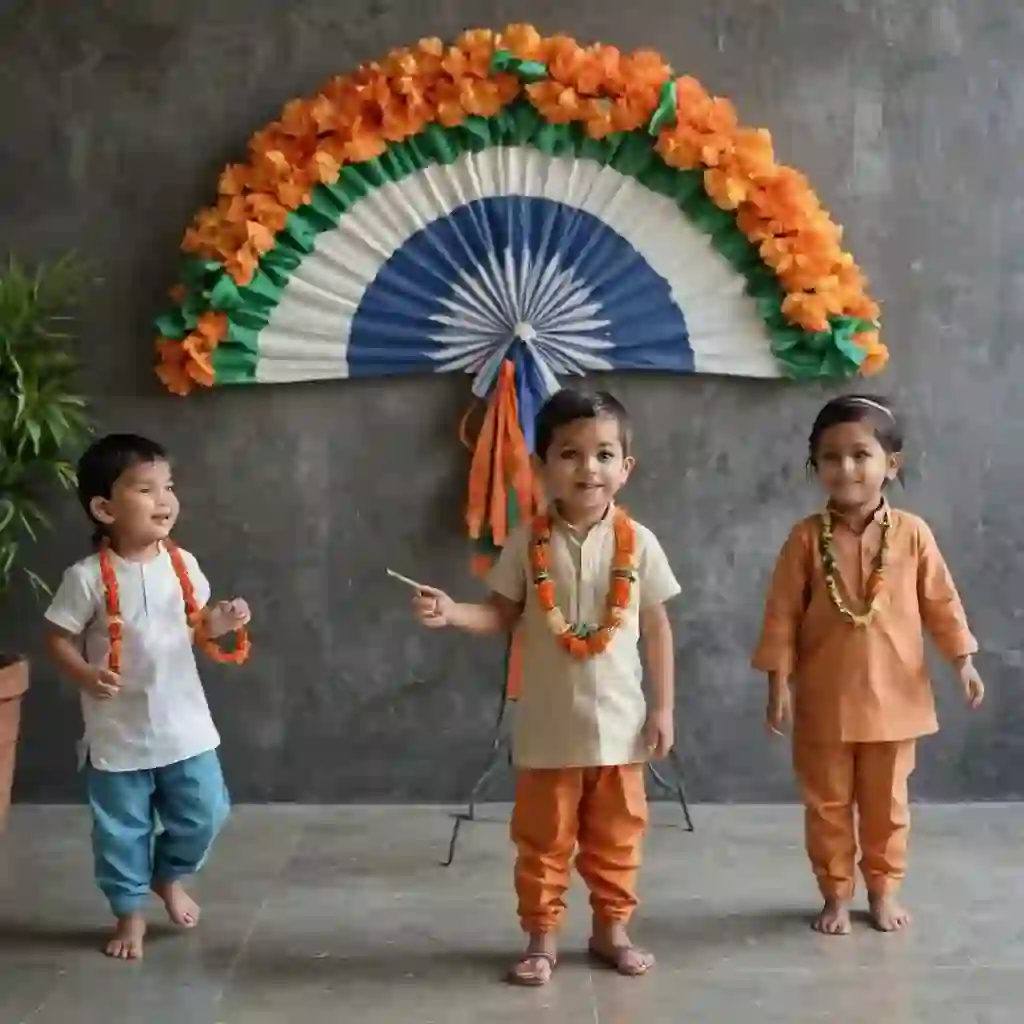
[[677, 790], [499, 757]]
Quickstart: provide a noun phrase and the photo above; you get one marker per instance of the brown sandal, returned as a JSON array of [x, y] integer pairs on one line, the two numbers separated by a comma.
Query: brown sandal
[[620, 960], [533, 979]]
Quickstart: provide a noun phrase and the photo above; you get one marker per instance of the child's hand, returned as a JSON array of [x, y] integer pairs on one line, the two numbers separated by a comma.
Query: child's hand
[[779, 712], [974, 688], [227, 617], [659, 733], [434, 608], [102, 684]]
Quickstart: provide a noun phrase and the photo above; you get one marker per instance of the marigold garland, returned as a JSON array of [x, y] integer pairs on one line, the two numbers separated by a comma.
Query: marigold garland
[[572, 638], [873, 589], [354, 118], [193, 613]]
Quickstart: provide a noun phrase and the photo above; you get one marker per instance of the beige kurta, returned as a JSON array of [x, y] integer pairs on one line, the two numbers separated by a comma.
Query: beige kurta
[[862, 684], [573, 713]]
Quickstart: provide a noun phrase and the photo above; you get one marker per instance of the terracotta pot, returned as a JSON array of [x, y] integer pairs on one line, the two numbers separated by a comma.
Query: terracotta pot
[[13, 685]]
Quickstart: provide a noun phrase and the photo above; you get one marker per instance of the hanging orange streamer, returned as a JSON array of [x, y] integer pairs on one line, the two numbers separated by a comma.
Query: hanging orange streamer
[[500, 465]]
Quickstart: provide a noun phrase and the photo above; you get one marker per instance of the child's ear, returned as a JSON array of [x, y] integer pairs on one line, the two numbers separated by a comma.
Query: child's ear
[[628, 464], [99, 509], [895, 466]]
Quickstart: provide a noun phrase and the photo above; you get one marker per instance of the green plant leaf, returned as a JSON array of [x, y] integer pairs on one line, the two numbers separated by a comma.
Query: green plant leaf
[[39, 585], [26, 525], [43, 418], [35, 434], [8, 552], [66, 474]]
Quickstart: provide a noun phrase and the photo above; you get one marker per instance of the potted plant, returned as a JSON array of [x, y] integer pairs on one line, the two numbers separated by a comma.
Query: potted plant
[[42, 425]]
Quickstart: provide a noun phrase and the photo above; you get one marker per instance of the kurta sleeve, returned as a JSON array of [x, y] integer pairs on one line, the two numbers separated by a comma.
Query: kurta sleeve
[[657, 582], [75, 603], [508, 576], [942, 611], [785, 606]]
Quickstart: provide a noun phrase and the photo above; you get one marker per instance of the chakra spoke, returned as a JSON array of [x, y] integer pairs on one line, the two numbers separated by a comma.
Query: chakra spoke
[[518, 297]]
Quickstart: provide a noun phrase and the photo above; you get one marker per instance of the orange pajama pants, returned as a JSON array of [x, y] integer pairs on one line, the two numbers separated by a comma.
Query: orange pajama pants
[[835, 779], [600, 811]]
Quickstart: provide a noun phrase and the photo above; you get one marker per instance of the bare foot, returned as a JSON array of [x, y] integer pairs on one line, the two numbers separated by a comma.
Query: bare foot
[[181, 908], [834, 918], [611, 946], [887, 914], [126, 942], [535, 967]]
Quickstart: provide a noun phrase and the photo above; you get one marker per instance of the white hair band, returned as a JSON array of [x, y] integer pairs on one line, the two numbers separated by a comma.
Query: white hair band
[[857, 400]]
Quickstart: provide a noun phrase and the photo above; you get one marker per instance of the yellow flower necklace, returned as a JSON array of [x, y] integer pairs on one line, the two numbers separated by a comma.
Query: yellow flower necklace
[[875, 580]]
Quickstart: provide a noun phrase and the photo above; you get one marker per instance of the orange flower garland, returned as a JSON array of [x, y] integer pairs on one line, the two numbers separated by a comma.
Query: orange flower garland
[[353, 118], [112, 604], [193, 613], [623, 574]]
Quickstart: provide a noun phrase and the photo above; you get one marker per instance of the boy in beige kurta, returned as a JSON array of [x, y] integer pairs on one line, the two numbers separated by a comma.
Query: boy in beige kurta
[[583, 727]]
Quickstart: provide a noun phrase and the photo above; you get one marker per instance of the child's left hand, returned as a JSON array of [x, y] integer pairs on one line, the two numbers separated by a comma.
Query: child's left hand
[[973, 687], [227, 617], [659, 733]]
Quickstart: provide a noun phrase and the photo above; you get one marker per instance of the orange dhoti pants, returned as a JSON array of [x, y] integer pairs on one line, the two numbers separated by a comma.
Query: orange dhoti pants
[[872, 777], [603, 812]]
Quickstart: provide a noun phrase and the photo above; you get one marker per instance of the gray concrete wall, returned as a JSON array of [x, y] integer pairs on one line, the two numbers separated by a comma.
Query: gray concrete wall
[[909, 117]]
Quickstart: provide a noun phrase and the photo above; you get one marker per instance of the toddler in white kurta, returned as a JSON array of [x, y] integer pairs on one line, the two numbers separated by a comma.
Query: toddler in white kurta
[[121, 628]]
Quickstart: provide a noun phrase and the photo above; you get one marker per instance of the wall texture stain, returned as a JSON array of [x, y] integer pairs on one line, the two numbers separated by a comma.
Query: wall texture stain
[[909, 117]]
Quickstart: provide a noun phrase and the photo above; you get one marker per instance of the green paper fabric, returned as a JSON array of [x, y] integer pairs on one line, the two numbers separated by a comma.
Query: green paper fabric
[[525, 70], [665, 114]]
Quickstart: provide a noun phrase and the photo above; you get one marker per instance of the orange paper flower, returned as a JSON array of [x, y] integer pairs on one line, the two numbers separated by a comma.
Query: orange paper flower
[[557, 104], [524, 41], [171, 367], [877, 354]]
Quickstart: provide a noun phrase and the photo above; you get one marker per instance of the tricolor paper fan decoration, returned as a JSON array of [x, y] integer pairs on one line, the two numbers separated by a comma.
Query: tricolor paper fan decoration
[[518, 208]]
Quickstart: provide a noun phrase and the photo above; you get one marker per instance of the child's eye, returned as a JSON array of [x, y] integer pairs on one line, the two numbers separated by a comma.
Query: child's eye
[[568, 453], [605, 456]]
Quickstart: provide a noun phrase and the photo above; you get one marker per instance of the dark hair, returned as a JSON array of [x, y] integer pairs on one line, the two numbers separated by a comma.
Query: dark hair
[[870, 409], [568, 405], [105, 461]]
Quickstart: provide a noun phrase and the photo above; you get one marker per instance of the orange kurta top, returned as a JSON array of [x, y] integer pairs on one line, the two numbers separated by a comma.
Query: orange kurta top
[[862, 684]]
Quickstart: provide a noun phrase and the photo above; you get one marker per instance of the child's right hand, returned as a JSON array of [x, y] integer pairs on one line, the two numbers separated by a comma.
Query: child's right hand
[[780, 708], [973, 687], [102, 684], [434, 608]]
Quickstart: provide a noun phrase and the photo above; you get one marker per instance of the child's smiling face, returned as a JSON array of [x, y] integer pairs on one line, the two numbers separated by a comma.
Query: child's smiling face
[[142, 508], [585, 466], [852, 465]]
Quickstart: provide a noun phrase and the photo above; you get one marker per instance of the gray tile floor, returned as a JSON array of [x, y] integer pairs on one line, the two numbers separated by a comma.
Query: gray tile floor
[[344, 915]]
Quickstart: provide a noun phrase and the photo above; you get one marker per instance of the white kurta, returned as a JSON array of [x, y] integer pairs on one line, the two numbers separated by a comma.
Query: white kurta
[[574, 713], [160, 716]]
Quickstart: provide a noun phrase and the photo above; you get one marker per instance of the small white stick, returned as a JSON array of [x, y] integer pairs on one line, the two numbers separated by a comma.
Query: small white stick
[[419, 587]]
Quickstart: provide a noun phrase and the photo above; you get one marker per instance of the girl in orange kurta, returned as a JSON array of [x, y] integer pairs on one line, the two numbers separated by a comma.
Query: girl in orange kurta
[[854, 590]]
